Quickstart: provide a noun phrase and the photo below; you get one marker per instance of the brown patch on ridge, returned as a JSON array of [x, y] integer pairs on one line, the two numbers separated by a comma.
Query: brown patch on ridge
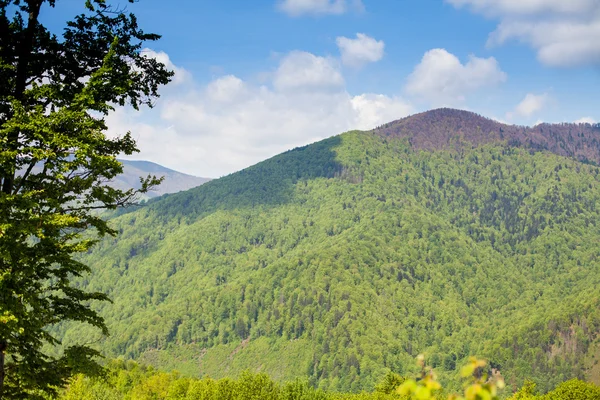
[[446, 128]]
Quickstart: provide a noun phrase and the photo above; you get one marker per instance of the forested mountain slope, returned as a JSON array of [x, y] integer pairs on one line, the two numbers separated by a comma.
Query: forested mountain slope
[[448, 128], [344, 259]]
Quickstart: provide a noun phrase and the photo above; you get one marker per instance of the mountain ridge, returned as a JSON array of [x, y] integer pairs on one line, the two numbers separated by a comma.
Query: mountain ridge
[[150, 166], [174, 181], [344, 259], [448, 128]]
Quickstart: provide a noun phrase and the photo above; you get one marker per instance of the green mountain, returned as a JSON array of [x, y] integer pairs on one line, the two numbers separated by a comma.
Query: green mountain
[[444, 233]]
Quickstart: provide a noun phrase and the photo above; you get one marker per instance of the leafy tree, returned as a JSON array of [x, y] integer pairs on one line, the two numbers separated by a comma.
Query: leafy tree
[[146, 383], [389, 383], [55, 163], [478, 387], [527, 392], [574, 389]]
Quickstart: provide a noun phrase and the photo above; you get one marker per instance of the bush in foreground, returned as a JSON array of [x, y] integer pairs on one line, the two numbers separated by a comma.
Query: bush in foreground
[[130, 381]]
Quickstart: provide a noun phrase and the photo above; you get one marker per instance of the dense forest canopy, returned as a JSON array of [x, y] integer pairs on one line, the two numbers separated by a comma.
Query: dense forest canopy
[[130, 381], [341, 261]]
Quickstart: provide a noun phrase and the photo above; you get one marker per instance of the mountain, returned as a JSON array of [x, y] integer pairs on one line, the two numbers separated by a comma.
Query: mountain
[[134, 170], [448, 128], [444, 233], [174, 181]]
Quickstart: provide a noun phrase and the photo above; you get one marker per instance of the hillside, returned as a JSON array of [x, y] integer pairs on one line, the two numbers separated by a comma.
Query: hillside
[[174, 181], [447, 128], [342, 260]]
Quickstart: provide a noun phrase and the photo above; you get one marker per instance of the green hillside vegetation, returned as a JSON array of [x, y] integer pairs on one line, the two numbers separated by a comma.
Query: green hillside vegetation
[[341, 261], [129, 381]]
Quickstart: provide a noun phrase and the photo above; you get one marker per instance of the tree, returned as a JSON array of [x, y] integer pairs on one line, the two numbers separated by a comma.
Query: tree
[[56, 164]]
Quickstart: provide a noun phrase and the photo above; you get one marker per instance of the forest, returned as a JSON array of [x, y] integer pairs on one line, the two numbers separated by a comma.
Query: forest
[[128, 380], [321, 273], [341, 261]]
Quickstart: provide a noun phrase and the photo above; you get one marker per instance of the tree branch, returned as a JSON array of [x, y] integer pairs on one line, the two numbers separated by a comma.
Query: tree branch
[[25, 175], [24, 54]]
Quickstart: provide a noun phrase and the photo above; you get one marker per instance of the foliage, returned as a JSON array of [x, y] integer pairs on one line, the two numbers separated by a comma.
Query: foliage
[[479, 387], [574, 390], [570, 390], [527, 392], [389, 383], [55, 162], [340, 275], [130, 381]]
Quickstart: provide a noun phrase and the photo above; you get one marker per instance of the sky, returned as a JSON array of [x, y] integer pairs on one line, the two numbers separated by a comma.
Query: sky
[[255, 78]]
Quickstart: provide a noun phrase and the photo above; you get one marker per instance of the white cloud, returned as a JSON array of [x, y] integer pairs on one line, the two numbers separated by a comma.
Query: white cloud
[[226, 89], [297, 8], [362, 50], [586, 120], [181, 74], [501, 120], [529, 106], [302, 71], [374, 109], [563, 32], [443, 80], [231, 123], [565, 43], [526, 7]]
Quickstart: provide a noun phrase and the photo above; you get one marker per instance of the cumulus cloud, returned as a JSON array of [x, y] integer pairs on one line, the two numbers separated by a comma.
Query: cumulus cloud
[[181, 75], [526, 7], [231, 123], [442, 80], [566, 43], [372, 110], [564, 33], [362, 50], [297, 8], [226, 89], [586, 120], [302, 71], [529, 106], [501, 120]]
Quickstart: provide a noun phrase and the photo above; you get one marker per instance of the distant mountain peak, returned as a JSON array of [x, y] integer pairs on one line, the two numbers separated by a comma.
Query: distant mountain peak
[[149, 166], [446, 113], [174, 181], [447, 128]]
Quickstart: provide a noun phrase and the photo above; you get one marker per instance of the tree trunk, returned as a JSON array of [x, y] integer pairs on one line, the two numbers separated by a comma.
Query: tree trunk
[[2, 373]]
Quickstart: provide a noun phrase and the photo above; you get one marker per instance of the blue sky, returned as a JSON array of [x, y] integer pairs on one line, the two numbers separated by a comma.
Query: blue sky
[[255, 78]]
